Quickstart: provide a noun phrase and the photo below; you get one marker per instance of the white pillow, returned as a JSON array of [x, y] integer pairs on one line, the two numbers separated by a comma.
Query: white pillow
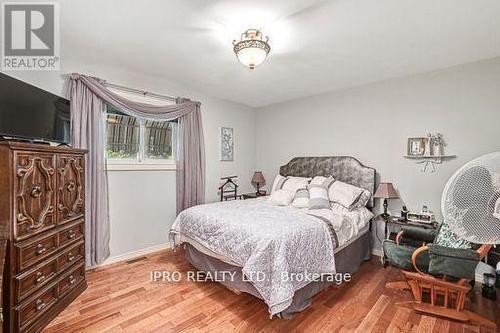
[[301, 199], [295, 183], [345, 194], [278, 183], [281, 197]]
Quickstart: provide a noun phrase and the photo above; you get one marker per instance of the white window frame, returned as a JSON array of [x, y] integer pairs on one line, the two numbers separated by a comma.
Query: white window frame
[[142, 163]]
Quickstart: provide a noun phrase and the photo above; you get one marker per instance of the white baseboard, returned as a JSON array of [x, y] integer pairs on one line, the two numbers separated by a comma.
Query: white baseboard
[[133, 254], [160, 247]]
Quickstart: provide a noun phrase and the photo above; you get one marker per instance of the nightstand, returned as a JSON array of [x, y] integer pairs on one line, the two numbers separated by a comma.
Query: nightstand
[[395, 221], [252, 195]]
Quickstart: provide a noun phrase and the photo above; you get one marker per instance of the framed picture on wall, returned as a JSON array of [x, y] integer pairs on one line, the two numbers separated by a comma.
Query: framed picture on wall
[[226, 144], [416, 146]]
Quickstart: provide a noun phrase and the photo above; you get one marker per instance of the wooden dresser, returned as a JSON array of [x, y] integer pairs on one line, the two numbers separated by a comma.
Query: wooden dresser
[[42, 200]]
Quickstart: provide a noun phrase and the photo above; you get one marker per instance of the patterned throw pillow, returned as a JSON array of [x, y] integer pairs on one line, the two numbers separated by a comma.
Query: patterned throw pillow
[[362, 200], [448, 238], [345, 194], [318, 197], [301, 199]]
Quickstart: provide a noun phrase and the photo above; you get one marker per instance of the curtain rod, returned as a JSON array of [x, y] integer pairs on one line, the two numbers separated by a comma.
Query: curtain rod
[[142, 92]]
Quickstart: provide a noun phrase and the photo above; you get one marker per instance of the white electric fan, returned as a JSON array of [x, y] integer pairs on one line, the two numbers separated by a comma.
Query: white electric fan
[[471, 200]]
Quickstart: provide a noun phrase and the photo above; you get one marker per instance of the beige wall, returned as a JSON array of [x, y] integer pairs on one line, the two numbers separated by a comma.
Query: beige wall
[[373, 122]]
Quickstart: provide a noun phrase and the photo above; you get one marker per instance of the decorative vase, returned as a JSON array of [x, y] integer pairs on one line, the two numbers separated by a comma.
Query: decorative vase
[[437, 150], [428, 145]]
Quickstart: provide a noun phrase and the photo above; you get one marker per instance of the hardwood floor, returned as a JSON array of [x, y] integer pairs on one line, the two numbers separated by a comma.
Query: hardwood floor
[[121, 298]]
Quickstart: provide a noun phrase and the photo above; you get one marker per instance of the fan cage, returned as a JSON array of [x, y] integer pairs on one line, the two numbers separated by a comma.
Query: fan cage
[[470, 200]]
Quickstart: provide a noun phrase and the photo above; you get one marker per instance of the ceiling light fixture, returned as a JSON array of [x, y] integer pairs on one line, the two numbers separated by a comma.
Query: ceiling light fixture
[[252, 49]]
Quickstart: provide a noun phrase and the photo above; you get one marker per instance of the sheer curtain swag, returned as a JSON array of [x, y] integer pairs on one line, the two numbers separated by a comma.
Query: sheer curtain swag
[[88, 97]]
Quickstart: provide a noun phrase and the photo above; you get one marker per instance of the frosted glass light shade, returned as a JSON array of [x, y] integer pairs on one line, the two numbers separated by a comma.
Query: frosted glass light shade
[[251, 57]]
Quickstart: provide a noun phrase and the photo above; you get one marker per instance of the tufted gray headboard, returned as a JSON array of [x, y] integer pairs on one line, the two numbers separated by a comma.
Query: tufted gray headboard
[[344, 168]]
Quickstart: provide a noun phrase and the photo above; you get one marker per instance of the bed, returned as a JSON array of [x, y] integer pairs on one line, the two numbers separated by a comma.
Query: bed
[[282, 255]]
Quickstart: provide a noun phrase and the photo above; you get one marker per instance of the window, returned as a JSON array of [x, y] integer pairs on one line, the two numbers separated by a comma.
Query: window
[[131, 139]]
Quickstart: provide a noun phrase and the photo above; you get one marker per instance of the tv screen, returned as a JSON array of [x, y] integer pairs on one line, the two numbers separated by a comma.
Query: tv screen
[[28, 112]]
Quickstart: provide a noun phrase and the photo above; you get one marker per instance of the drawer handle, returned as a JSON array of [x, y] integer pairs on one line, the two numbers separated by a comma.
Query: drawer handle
[[70, 257], [72, 279], [39, 277], [40, 249], [71, 234], [40, 305], [71, 186], [36, 192]]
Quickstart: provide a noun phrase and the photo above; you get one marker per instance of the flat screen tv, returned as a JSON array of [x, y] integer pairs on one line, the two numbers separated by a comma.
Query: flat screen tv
[[30, 113]]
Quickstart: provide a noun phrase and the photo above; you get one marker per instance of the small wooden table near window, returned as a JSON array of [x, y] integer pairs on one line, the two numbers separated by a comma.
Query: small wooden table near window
[[253, 195]]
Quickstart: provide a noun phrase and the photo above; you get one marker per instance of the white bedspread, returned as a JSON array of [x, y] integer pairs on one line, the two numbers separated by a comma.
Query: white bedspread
[[273, 240]]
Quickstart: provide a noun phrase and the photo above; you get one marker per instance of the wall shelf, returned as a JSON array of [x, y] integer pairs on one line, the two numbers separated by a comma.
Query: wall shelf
[[430, 160]]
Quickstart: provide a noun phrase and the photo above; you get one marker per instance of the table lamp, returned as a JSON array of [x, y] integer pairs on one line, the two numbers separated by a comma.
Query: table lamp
[[258, 180], [385, 191]]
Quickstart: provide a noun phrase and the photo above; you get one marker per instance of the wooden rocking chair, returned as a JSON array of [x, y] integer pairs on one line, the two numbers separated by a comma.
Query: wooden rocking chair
[[446, 295]]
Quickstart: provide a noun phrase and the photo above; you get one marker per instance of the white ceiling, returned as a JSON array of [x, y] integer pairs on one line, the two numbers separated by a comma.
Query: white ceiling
[[316, 46]]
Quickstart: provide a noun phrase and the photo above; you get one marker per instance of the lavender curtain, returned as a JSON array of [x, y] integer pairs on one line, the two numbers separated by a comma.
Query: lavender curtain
[[88, 96]]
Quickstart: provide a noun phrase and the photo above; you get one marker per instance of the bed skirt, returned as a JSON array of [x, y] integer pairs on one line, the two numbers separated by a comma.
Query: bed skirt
[[347, 260]]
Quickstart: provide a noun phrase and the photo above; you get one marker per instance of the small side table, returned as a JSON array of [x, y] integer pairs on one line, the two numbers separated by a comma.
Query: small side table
[[395, 221], [252, 195]]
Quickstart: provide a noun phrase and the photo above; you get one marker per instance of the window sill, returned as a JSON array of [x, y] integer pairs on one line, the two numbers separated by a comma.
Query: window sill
[[141, 167]]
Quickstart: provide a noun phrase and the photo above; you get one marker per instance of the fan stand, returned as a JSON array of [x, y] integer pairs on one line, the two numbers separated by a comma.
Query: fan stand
[[453, 293]]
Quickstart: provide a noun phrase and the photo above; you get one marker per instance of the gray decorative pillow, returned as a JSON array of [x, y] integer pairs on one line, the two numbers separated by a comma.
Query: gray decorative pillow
[[448, 238], [318, 197], [301, 199]]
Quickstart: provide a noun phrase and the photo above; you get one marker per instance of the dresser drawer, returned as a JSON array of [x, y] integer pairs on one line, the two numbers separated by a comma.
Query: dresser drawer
[[71, 255], [28, 311], [32, 280], [72, 278], [72, 233], [33, 251]]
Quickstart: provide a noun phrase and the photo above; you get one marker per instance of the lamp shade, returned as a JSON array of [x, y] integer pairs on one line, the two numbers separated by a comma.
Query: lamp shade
[[258, 178], [386, 191]]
